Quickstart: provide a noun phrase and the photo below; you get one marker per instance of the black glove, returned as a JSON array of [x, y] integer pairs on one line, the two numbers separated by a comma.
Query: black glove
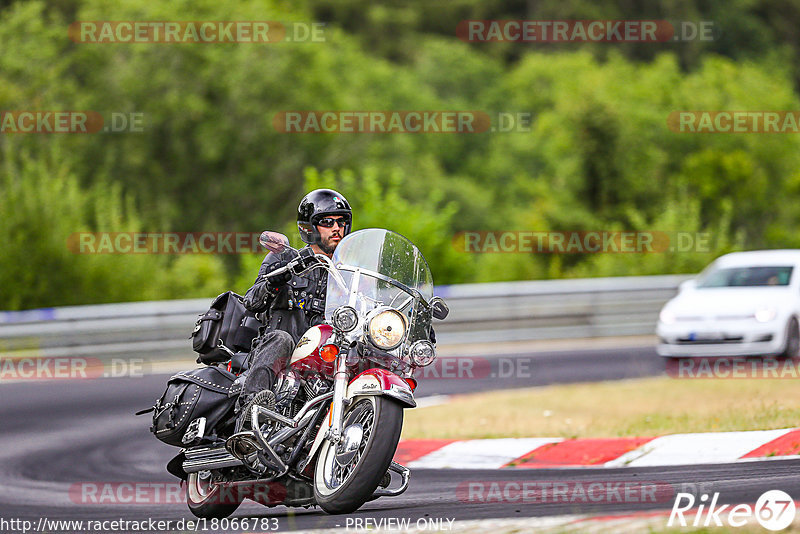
[[276, 281], [266, 287], [307, 257]]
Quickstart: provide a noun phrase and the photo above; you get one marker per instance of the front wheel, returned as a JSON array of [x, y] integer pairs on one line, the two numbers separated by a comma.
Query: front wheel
[[206, 499], [348, 473]]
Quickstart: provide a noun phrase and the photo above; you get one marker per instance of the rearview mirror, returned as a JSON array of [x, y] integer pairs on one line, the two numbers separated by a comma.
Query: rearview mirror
[[274, 241], [440, 309]]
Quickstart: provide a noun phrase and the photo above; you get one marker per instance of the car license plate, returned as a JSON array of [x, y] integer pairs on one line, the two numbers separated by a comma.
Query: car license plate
[[705, 336]]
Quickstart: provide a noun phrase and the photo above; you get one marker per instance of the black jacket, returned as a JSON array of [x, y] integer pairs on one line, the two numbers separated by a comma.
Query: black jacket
[[293, 307]]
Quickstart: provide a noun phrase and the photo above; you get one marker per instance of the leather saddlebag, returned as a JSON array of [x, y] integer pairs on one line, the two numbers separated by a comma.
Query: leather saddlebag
[[226, 325], [191, 395]]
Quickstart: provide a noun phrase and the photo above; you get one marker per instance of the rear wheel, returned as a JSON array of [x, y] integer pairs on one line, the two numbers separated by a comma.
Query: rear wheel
[[792, 346], [206, 499], [347, 474]]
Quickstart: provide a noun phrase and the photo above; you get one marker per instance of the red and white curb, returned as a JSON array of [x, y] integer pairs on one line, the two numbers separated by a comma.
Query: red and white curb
[[533, 453]]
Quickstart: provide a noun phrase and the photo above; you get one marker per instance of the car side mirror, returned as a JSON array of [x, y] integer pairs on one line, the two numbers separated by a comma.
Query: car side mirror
[[440, 309], [274, 241], [687, 284]]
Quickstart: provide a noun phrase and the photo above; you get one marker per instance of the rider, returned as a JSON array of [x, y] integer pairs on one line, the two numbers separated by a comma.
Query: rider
[[292, 303]]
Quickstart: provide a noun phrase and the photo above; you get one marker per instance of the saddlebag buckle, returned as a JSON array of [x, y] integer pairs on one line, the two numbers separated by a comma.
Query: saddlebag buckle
[[195, 430]]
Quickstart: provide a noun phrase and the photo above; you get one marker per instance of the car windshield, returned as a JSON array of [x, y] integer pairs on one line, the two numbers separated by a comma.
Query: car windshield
[[777, 275]]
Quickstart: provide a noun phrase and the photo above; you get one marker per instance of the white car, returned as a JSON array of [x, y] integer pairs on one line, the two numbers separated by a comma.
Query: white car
[[743, 304]]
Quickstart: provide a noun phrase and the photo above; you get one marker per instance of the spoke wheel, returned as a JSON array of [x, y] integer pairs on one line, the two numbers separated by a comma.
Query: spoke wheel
[[348, 473]]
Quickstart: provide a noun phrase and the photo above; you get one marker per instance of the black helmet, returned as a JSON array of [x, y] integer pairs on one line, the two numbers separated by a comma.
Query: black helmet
[[316, 205]]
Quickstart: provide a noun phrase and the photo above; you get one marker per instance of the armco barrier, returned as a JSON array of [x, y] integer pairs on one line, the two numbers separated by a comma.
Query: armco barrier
[[547, 309]]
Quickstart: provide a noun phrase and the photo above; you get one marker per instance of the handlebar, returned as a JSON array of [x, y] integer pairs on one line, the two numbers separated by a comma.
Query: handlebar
[[305, 259]]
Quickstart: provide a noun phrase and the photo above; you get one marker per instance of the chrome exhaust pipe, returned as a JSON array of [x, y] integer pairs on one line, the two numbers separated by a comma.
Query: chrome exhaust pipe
[[209, 458]]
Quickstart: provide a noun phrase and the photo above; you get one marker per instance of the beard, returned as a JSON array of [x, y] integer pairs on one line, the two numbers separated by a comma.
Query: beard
[[327, 245]]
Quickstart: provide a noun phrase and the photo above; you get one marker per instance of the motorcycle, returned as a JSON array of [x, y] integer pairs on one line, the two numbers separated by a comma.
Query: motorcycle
[[327, 432]]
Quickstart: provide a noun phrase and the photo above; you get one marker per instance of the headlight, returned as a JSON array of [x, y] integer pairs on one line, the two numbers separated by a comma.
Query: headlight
[[765, 315], [386, 328], [422, 353], [345, 318], [666, 317]]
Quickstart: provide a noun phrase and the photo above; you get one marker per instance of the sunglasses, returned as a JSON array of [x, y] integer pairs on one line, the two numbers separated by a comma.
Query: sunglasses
[[328, 222]]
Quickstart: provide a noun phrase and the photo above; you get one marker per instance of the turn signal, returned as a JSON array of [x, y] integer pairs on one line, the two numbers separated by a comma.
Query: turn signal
[[329, 352]]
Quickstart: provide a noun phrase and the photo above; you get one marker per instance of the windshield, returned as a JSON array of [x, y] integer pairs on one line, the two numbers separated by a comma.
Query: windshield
[[384, 252], [746, 277]]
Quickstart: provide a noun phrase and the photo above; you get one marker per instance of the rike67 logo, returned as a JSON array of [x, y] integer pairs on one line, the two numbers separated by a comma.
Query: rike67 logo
[[774, 510]]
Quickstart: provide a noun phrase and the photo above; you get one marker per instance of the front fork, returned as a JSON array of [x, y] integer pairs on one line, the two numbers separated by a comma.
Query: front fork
[[339, 403]]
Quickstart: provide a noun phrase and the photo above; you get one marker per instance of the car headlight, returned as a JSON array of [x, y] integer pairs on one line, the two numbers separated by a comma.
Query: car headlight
[[422, 353], [765, 314], [386, 328], [345, 318], [666, 317]]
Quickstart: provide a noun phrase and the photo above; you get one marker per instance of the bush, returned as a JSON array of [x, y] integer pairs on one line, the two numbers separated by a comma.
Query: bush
[[43, 205]]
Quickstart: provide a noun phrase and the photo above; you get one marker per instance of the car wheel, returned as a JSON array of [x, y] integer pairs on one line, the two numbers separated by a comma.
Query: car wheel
[[792, 346]]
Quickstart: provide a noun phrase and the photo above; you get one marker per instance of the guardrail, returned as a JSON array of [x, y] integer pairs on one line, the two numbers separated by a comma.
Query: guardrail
[[504, 311]]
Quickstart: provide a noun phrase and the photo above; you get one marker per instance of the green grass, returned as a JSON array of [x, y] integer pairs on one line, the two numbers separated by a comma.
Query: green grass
[[642, 407]]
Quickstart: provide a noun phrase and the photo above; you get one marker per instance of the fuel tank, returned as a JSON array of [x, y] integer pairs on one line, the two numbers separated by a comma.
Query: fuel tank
[[306, 355]]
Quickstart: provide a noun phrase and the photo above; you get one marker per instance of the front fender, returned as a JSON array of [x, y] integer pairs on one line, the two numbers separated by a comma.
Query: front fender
[[382, 382]]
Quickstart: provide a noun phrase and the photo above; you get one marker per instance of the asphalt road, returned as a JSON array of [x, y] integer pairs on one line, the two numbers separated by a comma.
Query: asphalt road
[[452, 374], [61, 437]]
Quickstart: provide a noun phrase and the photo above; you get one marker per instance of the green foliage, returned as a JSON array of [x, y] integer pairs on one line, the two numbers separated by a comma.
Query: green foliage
[[378, 201], [44, 212], [598, 155], [740, 29]]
